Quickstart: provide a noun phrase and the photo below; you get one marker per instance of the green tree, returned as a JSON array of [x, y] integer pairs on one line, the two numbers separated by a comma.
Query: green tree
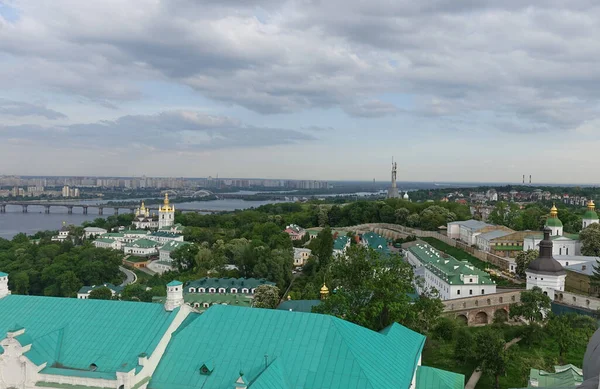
[[369, 290], [464, 346], [69, 284], [570, 331], [523, 259], [590, 240], [102, 293], [402, 215], [490, 354], [533, 306], [135, 292], [184, 257], [322, 247], [445, 329], [20, 282], [266, 296], [427, 310]]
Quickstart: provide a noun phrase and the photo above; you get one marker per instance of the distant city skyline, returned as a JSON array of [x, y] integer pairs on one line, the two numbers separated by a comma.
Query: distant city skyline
[[457, 91]]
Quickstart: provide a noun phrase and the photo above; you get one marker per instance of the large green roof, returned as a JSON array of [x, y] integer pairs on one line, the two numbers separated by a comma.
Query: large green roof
[[142, 243], [553, 222], [70, 334], [567, 376], [428, 377], [301, 350], [590, 215], [447, 267], [376, 242], [172, 245]]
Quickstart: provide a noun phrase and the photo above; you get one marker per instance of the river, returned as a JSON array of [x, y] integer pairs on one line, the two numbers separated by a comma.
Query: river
[[15, 221]]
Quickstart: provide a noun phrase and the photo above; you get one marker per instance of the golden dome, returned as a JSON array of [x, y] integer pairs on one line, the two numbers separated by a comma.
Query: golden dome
[[324, 289], [166, 199], [591, 206], [143, 207], [553, 211]]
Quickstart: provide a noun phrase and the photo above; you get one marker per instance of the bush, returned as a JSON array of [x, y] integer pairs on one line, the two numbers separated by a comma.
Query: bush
[[445, 329], [465, 345]]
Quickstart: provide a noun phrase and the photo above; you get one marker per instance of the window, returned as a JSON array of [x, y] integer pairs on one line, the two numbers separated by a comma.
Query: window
[[583, 267], [244, 290], [482, 291], [567, 264], [560, 251], [221, 290], [201, 290], [470, 280], [212, 290], [234, 290], [470, 291], [567, 252], [192, 290], [458, 292]]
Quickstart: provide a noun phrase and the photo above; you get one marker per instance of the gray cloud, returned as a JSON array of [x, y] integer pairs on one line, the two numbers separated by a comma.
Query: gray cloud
[[531, 62], [173, 130], [19, 108], [372, 108]]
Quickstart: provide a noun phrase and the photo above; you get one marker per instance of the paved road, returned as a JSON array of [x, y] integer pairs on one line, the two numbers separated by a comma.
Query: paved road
[[131, 277]]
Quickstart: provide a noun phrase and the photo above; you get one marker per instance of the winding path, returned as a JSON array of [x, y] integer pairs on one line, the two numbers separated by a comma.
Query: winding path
[[131, 277]]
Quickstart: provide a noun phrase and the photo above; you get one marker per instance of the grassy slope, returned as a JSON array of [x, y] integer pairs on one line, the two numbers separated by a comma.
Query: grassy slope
[[523, 357]]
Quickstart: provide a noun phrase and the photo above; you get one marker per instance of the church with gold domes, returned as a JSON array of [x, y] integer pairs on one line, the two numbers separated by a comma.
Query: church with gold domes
[[564, 244], [166, 214], [143, 220]]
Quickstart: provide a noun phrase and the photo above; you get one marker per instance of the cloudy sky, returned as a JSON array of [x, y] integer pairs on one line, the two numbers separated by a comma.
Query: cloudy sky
[[456, 90]]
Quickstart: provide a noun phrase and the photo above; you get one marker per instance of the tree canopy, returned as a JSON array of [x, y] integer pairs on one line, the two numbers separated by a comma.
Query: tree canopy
[[533, 306], [266, 296]]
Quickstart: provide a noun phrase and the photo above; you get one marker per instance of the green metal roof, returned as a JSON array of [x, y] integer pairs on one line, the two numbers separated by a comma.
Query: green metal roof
[[227, 283], [567, 376], [340, 242], [105, 240], [447, 267], [142, 243], [298, 305], [175, 283], [71, 334], [166, 234], [3, 274], [590, 215], [112, 235], [136, 232], [429, 377], [172, 245], [376, 242], [303, 350], [87, 289], [236, 299], [553, 222]]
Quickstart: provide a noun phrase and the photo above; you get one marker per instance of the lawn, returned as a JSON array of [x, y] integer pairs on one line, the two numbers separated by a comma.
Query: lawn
[[523, 357]]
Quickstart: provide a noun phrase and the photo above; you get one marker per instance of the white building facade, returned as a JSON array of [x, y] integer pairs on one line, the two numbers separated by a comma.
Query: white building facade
[[451, 278], [166, 214]]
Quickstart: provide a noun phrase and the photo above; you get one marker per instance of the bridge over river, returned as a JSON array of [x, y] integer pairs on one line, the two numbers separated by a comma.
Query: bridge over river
[[99, 207]]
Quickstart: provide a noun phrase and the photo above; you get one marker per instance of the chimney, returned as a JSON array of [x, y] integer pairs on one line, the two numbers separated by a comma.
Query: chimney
[[4, 291]]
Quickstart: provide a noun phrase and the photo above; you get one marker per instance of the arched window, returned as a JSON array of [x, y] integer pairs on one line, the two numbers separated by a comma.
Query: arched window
[[234, 290], [482, 291], [212, 290], [222, 290], [205, 305], [253, 290], [244, 290], [201, 290], [192, 290]]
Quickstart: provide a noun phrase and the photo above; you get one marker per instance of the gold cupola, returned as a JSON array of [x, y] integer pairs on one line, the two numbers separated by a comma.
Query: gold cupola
[[324, 292]]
